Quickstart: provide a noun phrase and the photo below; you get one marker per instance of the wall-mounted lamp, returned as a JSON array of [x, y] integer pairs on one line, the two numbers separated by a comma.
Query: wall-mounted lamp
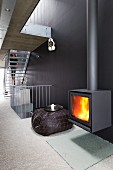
[[51, 44], [7, 9], [35, 55]]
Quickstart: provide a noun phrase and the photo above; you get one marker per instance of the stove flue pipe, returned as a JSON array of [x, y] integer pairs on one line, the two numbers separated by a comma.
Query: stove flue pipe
[[92, 44]]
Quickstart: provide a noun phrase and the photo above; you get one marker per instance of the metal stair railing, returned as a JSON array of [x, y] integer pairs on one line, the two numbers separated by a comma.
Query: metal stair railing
[[26, 98], [15, 70]]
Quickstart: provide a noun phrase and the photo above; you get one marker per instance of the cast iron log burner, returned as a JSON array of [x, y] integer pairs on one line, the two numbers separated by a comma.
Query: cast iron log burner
[[91, 108]]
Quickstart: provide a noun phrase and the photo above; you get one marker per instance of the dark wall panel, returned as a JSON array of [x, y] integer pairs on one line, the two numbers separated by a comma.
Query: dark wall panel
[[106, 54], [64, 68]]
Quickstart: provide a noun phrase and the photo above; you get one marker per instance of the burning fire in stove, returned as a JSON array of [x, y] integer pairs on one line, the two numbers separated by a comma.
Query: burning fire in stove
[[80, 107]]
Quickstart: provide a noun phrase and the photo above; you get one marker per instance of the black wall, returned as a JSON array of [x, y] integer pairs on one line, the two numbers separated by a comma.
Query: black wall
[[106, 54], [66, 67]]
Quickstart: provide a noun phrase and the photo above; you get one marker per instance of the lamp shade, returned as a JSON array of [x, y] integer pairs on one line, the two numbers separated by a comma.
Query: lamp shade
[[51, 44]]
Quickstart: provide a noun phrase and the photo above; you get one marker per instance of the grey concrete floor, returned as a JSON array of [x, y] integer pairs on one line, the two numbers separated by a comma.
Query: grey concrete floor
[[22, 149]]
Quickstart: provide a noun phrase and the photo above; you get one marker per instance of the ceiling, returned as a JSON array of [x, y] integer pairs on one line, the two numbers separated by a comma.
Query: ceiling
[[13, 38]]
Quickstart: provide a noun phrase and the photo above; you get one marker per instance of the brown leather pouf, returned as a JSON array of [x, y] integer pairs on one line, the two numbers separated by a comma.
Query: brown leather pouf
[[46, 123]]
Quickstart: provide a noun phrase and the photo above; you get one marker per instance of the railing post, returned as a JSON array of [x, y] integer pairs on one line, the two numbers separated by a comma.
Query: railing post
[[39, 96], [49, 95], [36, 96], [46, 95], [42, 97]]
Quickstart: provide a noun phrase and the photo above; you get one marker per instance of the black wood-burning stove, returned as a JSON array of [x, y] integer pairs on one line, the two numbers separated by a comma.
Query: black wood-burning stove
[[91, 108]]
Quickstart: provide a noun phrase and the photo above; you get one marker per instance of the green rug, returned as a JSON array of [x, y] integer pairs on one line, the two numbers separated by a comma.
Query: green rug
[[81, 149]]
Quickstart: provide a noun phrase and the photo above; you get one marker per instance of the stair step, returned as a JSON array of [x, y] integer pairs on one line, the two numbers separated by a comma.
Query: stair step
[[16, 80], [8, 95], [23, 72], [20, 57], [16, 69], [8, 81], [16, 65], [16, 61], [8, 86], [16, 73]]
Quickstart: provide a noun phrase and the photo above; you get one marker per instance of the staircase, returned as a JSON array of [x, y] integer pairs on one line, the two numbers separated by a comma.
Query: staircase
[[17, 67]]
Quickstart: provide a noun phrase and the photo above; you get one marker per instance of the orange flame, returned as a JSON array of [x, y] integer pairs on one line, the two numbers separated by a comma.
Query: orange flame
[[80, 107]]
